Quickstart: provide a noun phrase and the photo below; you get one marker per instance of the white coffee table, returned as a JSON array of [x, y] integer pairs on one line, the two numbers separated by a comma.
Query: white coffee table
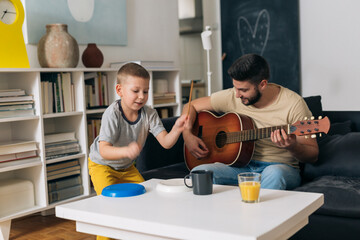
[[182, 215]]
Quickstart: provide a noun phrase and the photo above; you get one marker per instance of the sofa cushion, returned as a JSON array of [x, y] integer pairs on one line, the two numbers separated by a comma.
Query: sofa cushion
[[338, 155], [341, 195]]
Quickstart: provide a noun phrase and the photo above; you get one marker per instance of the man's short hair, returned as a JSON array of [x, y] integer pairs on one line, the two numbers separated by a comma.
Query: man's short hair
[[250, 67], [132, 69]]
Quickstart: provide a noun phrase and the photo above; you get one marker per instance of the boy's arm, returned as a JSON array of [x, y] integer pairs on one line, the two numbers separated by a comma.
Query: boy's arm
[[167, 140], [109, 152]]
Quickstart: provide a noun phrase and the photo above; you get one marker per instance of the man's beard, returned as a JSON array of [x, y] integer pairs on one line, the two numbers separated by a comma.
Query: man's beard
[[254, 99]]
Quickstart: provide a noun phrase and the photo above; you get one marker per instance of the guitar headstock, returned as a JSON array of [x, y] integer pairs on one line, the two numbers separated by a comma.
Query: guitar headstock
[[311, 127]]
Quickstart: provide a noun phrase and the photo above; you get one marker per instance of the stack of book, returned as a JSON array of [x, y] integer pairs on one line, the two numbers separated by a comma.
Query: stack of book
[[58, 92], [64, 180], [96, 90], [15, 103], [161, 98], [61, 144], [17, 150]]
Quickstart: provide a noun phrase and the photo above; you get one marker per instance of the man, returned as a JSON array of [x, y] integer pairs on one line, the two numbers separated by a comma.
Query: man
[[276, 158]]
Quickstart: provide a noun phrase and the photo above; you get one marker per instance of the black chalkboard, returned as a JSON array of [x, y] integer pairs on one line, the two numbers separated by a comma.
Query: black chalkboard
[[267, 28]]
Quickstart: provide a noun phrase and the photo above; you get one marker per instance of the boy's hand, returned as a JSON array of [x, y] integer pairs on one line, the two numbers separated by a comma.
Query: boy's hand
[[133, 150], [181, 123]]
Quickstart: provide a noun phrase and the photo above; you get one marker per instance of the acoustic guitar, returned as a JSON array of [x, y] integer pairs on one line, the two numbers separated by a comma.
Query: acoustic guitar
[[231, 137]]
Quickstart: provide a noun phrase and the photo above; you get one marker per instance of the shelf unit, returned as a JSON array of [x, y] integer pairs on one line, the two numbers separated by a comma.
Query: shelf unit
[[36, 127]]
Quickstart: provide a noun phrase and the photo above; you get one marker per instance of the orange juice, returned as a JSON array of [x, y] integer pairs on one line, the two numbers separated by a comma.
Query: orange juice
[[250, 191]]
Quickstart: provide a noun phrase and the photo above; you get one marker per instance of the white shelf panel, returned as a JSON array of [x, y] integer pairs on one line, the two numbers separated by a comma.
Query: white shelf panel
[[166, 105], [20, 164], [93, 111], [22, 213], [62, 114]]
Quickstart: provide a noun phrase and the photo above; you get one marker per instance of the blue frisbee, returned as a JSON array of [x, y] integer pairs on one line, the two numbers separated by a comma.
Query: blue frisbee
[[123, 190]]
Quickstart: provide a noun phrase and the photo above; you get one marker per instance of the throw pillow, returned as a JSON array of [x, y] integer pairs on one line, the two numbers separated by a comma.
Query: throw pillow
[[315, 106], [339, 155], [340, 128]]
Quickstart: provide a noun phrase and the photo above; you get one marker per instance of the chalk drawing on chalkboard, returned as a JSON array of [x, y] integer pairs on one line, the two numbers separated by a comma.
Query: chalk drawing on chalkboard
[[254, 40]]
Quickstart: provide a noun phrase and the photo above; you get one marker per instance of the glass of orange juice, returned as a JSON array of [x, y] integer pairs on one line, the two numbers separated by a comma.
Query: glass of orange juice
[[249, 184]]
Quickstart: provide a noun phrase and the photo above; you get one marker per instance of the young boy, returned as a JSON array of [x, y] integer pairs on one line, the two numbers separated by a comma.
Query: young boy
[[124, 128]]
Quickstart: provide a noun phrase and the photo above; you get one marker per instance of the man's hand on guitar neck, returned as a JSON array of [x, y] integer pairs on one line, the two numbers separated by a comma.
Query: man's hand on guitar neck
[[283, 140]]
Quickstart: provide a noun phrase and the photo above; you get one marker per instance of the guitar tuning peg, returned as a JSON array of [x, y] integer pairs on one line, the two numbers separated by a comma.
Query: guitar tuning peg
[[306, 137], [312, 118], [320, 117], [313, 136], [305, 118], [320, 134]]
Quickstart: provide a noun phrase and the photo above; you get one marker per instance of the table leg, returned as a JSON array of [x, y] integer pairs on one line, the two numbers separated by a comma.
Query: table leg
[[5, 230]]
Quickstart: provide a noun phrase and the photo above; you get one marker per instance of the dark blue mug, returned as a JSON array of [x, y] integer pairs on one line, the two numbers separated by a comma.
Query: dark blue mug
[[202, 182]]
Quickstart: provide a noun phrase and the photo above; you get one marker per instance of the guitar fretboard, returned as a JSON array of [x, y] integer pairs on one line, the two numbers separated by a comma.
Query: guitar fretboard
[[251, 134]]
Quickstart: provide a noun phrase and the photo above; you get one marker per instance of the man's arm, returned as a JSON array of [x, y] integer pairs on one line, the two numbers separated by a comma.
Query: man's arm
[[194, 144], [303, 149]]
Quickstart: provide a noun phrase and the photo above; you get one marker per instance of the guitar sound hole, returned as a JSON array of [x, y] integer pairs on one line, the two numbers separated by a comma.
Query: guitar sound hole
[[220, 139]]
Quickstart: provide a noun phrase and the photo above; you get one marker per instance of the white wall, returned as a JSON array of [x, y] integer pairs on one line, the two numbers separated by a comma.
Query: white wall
[[153, 34], [330, 50]]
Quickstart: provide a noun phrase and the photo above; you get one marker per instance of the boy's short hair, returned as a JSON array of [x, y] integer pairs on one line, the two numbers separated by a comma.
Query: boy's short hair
[[132, 69], [250, 67]]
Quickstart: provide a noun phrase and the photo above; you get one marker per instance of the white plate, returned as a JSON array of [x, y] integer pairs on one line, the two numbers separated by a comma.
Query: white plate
[[173, 185]]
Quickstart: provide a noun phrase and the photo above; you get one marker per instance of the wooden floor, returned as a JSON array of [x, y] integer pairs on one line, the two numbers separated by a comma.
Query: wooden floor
[[36, 227]]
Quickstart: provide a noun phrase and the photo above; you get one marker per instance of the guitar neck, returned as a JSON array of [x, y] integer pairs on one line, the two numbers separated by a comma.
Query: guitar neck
[[254, 134]]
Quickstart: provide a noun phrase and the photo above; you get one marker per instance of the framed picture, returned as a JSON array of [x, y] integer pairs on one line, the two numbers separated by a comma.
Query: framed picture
[[89, 21]]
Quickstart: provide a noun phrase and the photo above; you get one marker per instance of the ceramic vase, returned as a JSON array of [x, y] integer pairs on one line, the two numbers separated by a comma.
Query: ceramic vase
[[57, 48], [92, 57]]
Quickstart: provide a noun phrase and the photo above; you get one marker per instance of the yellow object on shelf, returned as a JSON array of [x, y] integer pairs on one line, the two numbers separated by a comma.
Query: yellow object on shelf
[[12, 46]]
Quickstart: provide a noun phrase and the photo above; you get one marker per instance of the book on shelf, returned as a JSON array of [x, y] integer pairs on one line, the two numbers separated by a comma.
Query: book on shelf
[[64, 174], [16, 107], [63, 152], [63, 170], [18, 156], [67, 92], [17, 113], [164, 95], [59, 137], [65, 193], [65, 182], [16, 103], [96, 90], [17, 146], [146, 64], [16, 98], [163, 100], [57, 92], [11, 92], [60, 165], [93, 128]]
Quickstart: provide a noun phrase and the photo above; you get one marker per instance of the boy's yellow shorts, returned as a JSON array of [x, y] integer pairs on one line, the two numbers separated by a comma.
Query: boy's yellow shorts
[[103, 176]]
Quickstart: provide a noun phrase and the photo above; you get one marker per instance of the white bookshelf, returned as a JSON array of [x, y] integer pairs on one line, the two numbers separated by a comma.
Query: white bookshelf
[[35, 127]]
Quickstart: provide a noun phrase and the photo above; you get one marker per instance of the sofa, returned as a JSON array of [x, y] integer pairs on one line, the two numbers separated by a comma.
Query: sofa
[[336, 174]]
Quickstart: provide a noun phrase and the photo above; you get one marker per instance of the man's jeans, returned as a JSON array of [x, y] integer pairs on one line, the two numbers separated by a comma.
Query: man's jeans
[[273, 175]]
